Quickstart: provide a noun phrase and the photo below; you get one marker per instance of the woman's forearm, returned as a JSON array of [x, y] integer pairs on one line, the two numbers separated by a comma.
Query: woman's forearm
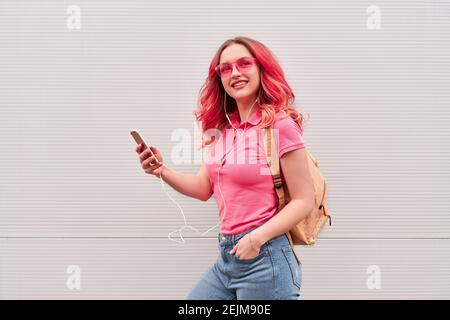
[[291, 214], [187, 184]]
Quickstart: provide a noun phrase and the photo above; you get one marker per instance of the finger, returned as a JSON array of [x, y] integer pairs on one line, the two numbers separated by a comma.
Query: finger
[[152, 169], [233, 250], [144, 154], [153, 160], [148, 162], [153, 163], [153, 150], [155, 157]]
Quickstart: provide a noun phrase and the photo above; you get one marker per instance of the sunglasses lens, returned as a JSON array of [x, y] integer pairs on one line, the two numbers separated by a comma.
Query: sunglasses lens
[[244, 64], [224, 69]]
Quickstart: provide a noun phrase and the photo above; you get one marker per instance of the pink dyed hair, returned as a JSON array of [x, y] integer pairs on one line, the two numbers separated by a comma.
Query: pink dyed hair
[[275, 95]]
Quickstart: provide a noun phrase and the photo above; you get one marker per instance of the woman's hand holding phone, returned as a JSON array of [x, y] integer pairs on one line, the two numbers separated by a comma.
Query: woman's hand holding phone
[[149, 163]]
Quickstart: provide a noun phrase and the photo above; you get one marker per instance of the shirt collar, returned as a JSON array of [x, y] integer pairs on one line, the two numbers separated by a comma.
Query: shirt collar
[[254, 119]]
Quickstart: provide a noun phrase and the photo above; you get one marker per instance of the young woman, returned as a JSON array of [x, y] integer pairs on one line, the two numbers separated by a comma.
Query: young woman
[[245, 92]]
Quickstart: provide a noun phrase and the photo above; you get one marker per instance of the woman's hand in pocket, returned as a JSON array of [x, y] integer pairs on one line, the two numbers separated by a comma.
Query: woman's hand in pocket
[[245, 249]]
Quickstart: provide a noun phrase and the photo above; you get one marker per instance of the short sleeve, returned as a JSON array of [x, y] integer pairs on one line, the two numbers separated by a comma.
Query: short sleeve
[[288, 135]]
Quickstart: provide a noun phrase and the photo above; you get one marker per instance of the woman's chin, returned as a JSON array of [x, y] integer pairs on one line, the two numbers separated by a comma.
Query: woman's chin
[[244, 94]]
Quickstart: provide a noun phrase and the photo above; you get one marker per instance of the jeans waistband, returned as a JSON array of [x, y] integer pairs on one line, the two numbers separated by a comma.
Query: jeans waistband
[[234, 238]]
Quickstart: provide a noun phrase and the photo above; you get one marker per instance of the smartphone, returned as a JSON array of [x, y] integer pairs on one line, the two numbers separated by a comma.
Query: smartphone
[[137, 137]]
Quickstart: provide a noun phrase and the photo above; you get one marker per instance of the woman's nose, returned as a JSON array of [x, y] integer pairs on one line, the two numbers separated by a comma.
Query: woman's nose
[[235, 68]]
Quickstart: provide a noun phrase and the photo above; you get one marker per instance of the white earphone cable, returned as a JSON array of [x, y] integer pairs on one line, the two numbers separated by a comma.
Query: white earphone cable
[[218, 184], [222, 162]]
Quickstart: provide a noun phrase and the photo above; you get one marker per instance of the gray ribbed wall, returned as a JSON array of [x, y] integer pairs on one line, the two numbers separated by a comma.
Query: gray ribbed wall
[[72, 192]]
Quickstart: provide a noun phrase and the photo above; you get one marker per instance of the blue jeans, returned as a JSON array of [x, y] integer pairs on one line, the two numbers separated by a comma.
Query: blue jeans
[[273, 274]]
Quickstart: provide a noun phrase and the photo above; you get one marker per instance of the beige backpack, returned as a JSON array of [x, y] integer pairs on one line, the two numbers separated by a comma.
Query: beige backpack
[[307, 230]]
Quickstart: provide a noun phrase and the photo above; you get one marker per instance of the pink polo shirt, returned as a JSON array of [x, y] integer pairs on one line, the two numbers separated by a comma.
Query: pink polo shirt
[[239, 174]]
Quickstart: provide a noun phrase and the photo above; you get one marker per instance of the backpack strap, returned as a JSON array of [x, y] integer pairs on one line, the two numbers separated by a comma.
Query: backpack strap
[[273, 162]]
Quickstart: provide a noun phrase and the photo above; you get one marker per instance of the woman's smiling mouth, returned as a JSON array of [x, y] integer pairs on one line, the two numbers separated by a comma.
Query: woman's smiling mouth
[[239, 84]]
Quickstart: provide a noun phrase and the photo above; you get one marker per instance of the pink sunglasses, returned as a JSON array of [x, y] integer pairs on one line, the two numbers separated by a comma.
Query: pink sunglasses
[[242, 64]]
